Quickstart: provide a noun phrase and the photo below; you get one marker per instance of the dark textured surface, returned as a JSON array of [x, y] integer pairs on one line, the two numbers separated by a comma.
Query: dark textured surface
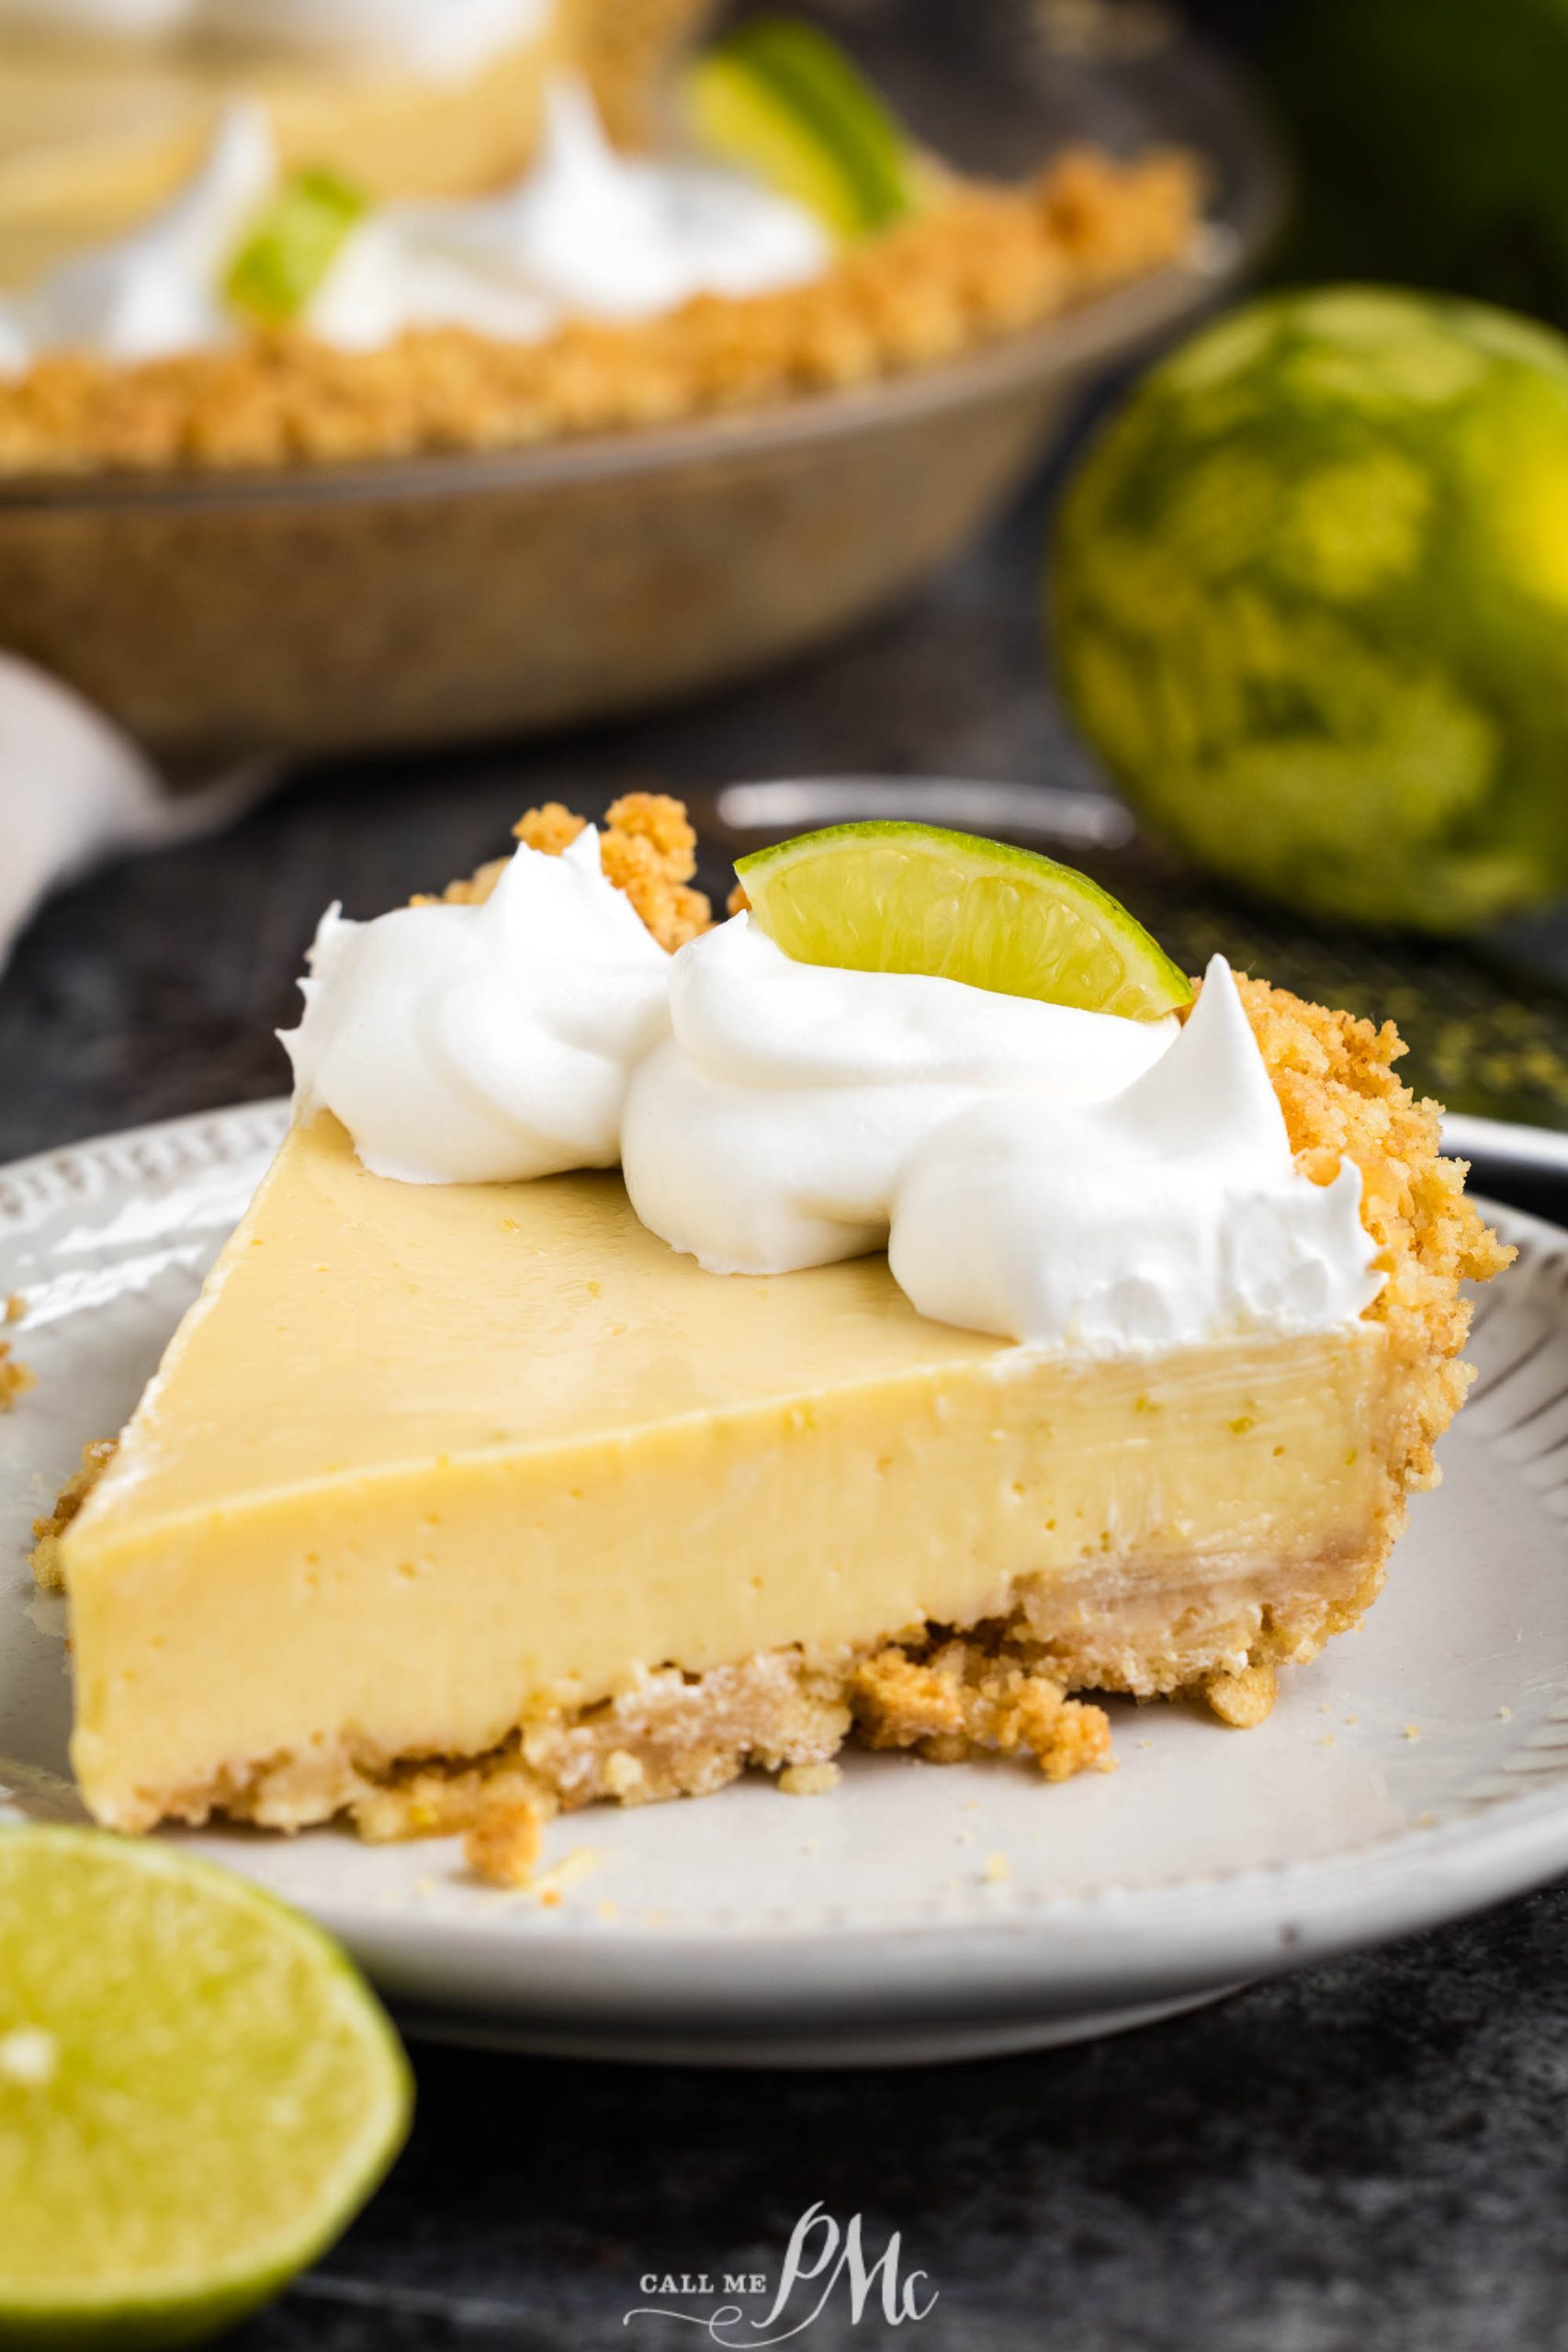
[[154, 990], [1371, 2155]]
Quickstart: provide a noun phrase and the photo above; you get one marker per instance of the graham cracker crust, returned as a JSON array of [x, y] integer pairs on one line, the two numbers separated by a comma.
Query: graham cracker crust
[[1003, 1687]]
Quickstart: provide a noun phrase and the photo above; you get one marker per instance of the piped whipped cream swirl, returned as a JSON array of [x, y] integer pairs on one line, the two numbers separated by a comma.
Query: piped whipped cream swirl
[[1171, 1213], [474, 1045], [160, 289], [775, 1128], [1072, 1180], [586, 233]]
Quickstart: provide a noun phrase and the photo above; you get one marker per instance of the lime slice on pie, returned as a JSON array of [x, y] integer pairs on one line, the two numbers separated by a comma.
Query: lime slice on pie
[[293, 246], [197, 2090], [898, 897], [782, 101]]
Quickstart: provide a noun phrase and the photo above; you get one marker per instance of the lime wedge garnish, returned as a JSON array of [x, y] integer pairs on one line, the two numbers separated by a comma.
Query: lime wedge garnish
[[782, 101], [894, 897], [293, 246], [197, 2090]]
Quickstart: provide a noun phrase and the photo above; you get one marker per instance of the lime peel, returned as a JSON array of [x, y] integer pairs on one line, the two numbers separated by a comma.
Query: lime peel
[[293, 245], [891, 897], [197, 2092], [782, 99]]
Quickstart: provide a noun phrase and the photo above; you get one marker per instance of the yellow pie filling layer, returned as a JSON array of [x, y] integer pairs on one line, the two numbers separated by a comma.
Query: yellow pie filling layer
[[428, 1463]]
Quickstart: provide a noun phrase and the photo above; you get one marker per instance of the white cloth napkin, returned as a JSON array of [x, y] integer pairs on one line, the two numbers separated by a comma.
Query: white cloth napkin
[[74, 791]]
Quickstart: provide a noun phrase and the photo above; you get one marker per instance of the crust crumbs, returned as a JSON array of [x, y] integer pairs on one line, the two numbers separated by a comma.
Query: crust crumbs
[[1243, 1697], [647, 847], [503, 1844], [980, 261], [97, 1455], [784, 1711], [15, 1377], [1334, 1075], [969, 1696]]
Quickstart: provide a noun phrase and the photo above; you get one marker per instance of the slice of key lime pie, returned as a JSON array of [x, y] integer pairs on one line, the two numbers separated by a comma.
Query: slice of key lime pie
[[901, 1307]]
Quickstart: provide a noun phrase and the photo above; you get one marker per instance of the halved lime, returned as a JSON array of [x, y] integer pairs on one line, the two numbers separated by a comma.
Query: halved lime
[[905, 898], [198, 2091], [781, 99], [293, 246]]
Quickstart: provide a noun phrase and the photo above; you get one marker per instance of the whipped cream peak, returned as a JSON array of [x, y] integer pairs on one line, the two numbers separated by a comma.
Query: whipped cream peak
[[749, 1012], [1171, 1215], [775, 1128], [481, 1043], [159, 291], [587, 232]]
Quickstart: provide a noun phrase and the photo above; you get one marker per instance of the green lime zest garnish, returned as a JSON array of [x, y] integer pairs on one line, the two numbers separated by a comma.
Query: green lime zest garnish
[[906, 898], [782, 101], [292, 245], [197, 2092]]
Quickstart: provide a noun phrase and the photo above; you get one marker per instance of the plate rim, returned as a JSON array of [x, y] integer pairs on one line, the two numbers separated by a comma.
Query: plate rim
[[1025, 1955]]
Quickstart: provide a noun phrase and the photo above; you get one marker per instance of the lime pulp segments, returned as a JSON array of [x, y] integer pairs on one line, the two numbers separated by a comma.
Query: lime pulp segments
[[908, 898], [197, 2092], [781, 99]]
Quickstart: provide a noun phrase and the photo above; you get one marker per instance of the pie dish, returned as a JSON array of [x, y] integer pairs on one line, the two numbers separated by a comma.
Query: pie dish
[[457, 1501], [328, 600]]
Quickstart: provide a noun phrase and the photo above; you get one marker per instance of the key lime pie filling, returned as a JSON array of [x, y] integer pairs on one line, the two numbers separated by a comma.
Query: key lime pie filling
[[655, 1354]]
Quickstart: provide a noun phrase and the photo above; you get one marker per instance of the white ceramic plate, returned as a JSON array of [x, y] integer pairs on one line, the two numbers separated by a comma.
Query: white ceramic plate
[[1418, 1769]]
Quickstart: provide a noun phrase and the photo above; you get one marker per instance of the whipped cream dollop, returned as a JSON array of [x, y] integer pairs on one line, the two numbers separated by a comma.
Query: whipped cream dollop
[[1171, 1213], [159, 291], [587, 232], [442, 39], [472, 1044], [773, 1129], [1069, 1179], [1072, 1180]]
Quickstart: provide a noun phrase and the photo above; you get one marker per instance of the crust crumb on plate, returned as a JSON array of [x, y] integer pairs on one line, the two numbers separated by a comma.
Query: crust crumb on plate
[[15, 1377], [503, 1844], [1243, 1698], [97, 1455], [808, 1780]]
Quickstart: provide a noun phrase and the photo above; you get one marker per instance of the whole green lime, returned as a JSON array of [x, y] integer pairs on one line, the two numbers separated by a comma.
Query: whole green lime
[[1311, 604]]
